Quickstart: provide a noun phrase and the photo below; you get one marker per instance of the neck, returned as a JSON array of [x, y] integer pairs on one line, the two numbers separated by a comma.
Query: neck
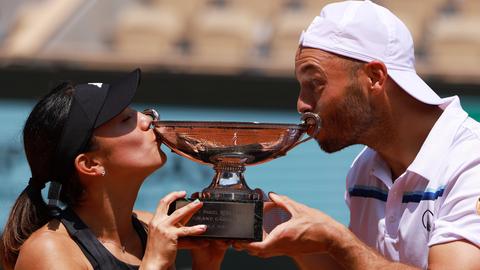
[[407, 126], [108, 210]]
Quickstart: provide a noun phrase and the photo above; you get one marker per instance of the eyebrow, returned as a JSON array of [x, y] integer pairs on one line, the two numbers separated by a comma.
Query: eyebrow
[[309, 66]]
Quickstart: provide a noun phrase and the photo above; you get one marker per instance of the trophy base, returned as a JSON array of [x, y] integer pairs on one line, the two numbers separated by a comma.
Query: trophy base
[[239, 220]]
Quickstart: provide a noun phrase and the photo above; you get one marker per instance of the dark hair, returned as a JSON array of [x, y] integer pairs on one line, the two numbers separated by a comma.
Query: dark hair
[[41, 135]]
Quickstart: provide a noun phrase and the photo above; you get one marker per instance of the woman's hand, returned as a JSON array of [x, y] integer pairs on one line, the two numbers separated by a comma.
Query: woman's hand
[[165, 230]]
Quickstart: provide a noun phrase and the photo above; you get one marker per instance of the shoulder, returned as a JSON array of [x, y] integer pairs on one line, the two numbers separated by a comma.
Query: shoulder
[[143, 216], [365, 157], [467, 135], [50, 247], [362, 163], [463, 158]]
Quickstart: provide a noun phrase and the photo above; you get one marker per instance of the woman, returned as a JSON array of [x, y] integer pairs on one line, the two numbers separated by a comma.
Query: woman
[[96, 152]]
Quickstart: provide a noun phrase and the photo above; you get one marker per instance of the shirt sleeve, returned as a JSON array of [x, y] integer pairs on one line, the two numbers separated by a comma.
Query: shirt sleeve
[[352, 175], [458, 217], [346, 196]]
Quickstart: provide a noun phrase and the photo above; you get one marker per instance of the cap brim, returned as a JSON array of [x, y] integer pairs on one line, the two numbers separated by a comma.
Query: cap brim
[[411, 83], [119, 96]]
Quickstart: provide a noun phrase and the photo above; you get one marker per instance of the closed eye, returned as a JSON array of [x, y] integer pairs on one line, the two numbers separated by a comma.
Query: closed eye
[[316, 83], [126, 118]]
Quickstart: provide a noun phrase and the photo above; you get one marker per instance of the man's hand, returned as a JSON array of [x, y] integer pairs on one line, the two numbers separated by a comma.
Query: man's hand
[[307, 231], [310, 231]]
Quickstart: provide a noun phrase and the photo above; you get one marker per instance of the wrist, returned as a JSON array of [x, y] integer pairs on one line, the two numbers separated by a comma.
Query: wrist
[[333, 236], [341, 240], [351, 253]]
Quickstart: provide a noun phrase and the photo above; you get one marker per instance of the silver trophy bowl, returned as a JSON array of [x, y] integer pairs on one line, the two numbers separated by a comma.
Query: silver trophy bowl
[[230, 146]]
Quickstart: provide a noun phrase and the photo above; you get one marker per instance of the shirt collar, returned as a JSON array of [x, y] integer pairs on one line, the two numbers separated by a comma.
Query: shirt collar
[[381, 170], [432, 153]]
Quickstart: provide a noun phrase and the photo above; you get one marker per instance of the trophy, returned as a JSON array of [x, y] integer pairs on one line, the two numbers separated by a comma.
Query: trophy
[[231, 210]]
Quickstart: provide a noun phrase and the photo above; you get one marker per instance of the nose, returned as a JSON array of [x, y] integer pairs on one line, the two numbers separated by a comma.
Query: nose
[[148, 116], [145, 121], [303, 103]]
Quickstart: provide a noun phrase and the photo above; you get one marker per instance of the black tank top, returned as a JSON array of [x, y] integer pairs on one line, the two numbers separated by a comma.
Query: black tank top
[[96, 253]]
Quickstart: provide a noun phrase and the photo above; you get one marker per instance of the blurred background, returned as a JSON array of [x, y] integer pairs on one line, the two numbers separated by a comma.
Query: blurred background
[[229, 60]]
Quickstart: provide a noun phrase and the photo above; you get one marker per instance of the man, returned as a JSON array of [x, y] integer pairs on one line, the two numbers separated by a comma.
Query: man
[[414, 191]]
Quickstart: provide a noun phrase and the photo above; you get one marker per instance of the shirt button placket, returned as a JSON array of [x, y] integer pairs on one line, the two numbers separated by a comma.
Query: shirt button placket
[[392, 212], [391, 219]]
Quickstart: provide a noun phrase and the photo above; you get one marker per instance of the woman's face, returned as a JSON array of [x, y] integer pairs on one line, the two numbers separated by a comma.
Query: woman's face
[[127, 147]]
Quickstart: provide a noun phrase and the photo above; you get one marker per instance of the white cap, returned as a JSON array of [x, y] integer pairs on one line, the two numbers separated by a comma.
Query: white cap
[[366, 31]]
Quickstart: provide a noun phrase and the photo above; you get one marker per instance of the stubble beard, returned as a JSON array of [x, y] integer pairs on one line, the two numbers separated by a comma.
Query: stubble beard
[[350, 120]]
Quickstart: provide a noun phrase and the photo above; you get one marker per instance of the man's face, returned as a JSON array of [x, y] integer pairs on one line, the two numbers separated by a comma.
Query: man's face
[[329, 86]]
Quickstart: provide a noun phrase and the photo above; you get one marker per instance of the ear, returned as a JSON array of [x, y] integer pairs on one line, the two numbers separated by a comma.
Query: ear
[[377, 75], [87, 165]]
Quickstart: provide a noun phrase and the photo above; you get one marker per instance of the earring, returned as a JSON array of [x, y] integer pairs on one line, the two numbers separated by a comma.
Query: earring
[[103, 173]]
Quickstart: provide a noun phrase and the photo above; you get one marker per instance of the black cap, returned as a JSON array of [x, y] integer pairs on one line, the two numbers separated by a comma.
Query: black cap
[[93, 104]]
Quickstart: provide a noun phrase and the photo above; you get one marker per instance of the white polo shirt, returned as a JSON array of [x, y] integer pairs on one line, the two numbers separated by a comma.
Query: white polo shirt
[[434, 201]]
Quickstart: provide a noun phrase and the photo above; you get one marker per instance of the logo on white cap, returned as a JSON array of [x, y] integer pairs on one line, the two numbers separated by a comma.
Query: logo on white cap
[[97, 84]]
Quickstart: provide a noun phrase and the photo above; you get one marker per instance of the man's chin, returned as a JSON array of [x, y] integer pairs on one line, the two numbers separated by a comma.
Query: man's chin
[[331, 146]]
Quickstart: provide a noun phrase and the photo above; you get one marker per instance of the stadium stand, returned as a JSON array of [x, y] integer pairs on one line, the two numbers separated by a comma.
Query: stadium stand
[[221, 36], [454, 46], [142, 30]]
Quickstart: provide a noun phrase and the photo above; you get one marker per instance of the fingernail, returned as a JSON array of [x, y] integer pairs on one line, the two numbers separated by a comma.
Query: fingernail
[[202, 227], [197, 201]]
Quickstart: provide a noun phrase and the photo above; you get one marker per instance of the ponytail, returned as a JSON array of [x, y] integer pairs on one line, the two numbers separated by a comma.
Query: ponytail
[[28, 214], [41, 134]]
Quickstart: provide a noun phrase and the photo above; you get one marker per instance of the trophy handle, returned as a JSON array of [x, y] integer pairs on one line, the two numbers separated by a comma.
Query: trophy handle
[[312, 123]]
